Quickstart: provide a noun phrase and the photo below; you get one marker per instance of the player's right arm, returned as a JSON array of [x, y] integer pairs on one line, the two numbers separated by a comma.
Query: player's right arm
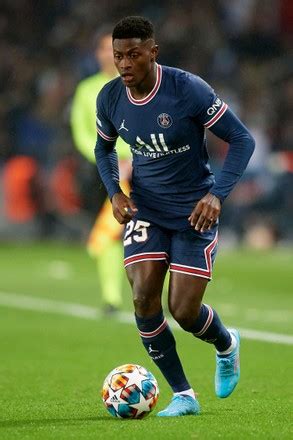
[[107, 162]]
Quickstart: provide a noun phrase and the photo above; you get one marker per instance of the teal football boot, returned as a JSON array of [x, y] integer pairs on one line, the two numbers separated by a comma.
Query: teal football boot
[[228, 370], [181, 406]]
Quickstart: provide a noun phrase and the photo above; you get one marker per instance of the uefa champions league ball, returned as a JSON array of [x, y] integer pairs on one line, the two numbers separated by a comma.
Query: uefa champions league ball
[[130, 392]]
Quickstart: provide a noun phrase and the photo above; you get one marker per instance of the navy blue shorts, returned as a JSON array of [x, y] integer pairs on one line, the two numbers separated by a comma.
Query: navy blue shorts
[[188, 251]]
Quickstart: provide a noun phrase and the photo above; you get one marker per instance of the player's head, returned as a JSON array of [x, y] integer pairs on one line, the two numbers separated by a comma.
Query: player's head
[[103, 49], [134, 49]]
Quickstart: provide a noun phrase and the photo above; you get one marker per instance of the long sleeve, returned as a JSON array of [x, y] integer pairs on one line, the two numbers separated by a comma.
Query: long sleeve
[[241, 146], [107, 163], [105, 152], [207, 108]]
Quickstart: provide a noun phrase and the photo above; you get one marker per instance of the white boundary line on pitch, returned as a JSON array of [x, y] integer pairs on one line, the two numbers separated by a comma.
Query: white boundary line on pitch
[[24, 302]]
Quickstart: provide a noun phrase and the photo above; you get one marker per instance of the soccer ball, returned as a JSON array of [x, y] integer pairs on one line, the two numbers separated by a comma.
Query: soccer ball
[[130, 392]]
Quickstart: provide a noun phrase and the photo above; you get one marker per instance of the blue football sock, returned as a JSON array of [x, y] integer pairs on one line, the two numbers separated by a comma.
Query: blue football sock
[[160, 344], [209, 328]]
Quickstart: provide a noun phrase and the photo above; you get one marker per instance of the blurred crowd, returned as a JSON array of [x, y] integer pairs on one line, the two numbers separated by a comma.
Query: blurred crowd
[[243, 48]]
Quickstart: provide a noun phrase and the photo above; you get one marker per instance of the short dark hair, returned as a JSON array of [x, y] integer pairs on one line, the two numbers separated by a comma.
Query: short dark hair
[[133, 27]]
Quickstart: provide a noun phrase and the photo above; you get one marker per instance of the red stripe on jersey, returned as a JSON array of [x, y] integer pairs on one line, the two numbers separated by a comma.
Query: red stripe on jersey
[[153, 92], [106, 137], [217, 116]]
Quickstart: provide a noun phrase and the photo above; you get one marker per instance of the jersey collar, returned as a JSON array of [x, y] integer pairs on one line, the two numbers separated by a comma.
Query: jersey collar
[[152, 93]]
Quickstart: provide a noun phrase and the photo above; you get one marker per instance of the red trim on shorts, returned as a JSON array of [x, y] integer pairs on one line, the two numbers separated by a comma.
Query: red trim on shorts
[[145, 256], [197, 271]]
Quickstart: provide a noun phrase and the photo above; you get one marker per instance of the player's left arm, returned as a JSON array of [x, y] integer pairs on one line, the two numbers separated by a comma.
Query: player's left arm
[[215, 115], [241, 146]]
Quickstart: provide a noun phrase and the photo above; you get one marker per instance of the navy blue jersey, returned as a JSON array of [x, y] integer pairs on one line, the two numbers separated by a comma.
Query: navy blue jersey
[[166, 134]]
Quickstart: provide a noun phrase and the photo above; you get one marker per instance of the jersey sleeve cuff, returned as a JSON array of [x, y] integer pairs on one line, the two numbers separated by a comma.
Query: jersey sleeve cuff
[[115, 188], [216, 193]]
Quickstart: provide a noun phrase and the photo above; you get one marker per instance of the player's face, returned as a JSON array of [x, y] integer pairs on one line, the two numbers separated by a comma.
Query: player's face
[[134, 60]]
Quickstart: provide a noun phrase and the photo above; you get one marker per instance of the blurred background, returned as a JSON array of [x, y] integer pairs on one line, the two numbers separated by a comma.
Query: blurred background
[[58, 343], [243, 48]]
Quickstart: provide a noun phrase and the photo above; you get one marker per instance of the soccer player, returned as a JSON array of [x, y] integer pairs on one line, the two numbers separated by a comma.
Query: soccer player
[[173, 213], [104, 242]]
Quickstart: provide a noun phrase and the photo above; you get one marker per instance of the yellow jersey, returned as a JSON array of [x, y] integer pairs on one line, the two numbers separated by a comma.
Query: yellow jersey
[[83, 117]]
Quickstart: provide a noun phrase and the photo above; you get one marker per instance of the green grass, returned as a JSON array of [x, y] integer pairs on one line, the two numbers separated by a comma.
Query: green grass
[[52, 366]]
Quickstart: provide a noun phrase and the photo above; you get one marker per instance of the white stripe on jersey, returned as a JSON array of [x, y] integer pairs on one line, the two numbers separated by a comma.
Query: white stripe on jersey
[[162, 140], [153, 137], [143, 144]]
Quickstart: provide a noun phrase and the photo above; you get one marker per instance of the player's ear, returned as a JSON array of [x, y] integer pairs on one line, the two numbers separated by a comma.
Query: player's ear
[[154, 52]]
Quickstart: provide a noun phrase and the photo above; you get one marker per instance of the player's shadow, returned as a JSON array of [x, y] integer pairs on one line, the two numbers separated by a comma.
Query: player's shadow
[[44, 422]]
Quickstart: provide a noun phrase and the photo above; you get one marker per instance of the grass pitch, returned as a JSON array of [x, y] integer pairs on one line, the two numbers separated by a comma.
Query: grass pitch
[[52, 365]]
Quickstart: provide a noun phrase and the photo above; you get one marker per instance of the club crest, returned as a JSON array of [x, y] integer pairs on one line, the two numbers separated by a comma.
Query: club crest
[[164, 120]]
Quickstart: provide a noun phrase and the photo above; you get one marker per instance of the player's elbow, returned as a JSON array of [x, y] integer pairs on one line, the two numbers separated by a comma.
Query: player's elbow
[[249, 142]]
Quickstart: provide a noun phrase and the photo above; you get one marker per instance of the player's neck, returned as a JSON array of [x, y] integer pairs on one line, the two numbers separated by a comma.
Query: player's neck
[[146, 86]]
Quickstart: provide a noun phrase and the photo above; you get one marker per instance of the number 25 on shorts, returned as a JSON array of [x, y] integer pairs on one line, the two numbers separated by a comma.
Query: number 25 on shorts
[[136, 231]]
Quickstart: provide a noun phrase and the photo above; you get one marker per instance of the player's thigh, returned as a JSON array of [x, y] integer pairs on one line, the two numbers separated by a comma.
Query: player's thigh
[[147, 280], [191, 260], [146, 251]]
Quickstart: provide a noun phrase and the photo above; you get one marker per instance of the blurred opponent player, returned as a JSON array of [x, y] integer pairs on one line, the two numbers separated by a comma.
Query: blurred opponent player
[[173, 213], [104, 242]]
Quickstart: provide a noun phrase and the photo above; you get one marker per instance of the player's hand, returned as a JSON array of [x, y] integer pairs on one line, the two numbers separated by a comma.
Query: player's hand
[[205, 213], [123, 208]]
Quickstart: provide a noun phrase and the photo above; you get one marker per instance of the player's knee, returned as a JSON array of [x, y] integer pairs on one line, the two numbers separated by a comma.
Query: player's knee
[[185, 315], [146, 291], [145, 303], [146, 300]]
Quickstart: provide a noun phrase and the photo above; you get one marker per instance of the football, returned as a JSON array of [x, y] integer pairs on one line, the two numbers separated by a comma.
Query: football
[[130, 392]]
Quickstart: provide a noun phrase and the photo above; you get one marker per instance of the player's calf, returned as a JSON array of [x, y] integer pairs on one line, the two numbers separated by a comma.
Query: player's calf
[[209, 328], [159, 342]]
